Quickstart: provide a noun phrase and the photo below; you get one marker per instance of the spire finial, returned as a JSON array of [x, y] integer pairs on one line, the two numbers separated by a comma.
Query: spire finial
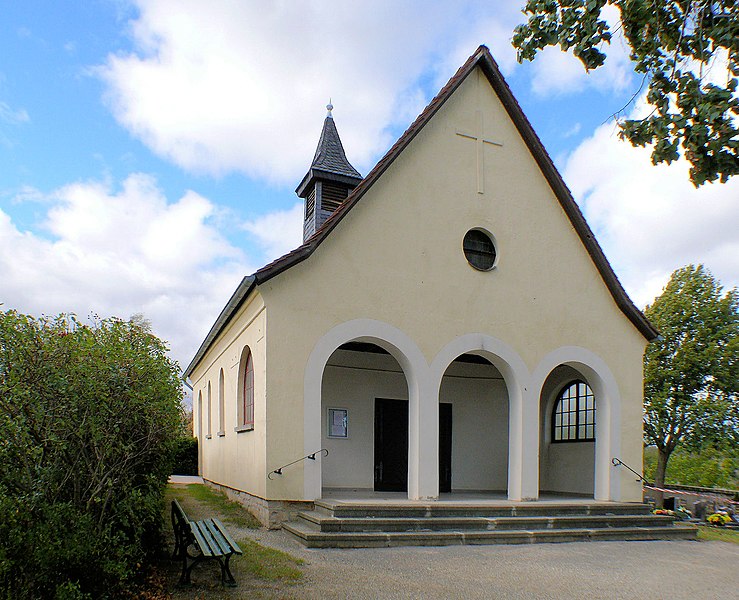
[[329, 108]]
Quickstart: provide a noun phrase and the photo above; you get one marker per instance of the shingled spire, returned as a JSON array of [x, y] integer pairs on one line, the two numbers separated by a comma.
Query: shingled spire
[[329, 179]]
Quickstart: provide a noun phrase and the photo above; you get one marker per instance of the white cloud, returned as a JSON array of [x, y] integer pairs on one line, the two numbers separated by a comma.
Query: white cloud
[[240, 86], [279, 232], [121, 252], [13, 116], [649, 219], [557, 72]]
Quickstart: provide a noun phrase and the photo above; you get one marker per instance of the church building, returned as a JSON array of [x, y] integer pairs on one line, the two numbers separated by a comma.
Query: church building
[[449, 326]]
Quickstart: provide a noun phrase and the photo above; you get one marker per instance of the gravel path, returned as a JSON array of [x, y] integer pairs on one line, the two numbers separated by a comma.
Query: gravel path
[[673, 570]]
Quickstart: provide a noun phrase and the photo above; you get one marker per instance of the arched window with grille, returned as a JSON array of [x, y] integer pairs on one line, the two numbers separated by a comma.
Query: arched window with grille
[[573, 419]]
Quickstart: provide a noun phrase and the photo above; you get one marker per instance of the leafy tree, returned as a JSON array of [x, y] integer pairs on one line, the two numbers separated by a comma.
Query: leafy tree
[[691, 375], [674, 44], [89, 417]]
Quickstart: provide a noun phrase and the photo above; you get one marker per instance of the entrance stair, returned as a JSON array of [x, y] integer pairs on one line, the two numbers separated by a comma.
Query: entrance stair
[[337, 524]]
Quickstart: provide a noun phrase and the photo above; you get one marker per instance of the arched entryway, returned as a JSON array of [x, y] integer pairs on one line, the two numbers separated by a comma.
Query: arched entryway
[[568, 418], [521, 432], [350, 347], [364, 407], [557, 370], [473, 427]]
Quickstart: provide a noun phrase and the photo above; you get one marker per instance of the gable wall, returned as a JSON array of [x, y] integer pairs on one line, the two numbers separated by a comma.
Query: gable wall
[[396, 257]]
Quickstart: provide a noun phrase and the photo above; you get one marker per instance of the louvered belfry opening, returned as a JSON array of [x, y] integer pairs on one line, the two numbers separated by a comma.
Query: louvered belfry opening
[[329, 179]]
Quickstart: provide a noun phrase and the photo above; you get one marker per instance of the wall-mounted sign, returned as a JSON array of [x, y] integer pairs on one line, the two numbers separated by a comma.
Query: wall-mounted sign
[[338, 423]]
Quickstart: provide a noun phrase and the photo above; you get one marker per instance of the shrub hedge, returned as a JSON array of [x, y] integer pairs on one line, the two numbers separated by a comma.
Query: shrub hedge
[[186, 456], [89, 418]]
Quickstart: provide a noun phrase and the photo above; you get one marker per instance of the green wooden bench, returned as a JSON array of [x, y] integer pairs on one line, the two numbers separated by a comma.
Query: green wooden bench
[[198, 541]]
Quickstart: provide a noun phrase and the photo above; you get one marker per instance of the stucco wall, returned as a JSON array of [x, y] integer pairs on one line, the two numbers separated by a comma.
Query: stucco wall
[[235, 459]]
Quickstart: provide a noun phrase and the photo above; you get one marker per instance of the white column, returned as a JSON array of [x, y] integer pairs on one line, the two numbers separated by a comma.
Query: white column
[[530, 446], [423, 440]]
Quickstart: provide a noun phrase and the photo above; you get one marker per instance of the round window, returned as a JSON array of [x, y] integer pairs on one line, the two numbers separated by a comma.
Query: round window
[[479, 249]]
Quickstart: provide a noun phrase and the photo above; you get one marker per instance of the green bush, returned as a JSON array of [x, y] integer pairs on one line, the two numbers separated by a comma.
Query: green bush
[[186, 457], [89, 418], [707, 467]]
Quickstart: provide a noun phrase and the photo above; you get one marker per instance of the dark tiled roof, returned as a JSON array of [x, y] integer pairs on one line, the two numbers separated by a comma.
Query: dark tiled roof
[[481, 58], [329, 162], [330, 155]]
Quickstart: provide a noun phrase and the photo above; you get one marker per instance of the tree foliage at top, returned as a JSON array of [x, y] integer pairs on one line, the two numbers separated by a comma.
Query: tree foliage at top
[[691, 375], [89, 420], [675, 45]]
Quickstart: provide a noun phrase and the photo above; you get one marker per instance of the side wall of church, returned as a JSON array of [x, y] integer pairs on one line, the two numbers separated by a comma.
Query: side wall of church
[[231, 458], [397, 257]]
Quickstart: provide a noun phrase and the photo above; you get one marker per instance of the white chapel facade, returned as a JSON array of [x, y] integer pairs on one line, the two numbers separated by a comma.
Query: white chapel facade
[[449, 325]]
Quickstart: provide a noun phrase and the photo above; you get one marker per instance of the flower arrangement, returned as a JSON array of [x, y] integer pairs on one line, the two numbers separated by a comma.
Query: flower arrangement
[[683, 513], [719, 519], [663, 511]]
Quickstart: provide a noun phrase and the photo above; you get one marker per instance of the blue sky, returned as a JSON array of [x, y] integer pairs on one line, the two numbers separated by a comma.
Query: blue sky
[[150, 149]]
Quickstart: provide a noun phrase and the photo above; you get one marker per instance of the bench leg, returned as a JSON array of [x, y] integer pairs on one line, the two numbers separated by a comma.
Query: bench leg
[[226, 577], [186, 570]]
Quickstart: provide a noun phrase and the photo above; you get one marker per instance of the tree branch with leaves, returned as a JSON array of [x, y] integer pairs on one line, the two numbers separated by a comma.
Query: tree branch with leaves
[[679, 47]]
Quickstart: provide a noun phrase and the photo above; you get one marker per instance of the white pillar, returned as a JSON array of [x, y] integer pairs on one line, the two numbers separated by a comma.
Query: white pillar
[[423, 440], [530, 446]]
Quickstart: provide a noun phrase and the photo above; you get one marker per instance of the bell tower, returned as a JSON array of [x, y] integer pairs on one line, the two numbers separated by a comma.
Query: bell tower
[[329, 179]]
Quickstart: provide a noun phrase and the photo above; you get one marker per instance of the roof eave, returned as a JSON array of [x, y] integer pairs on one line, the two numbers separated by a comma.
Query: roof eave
[[243, 290], [313, 174]]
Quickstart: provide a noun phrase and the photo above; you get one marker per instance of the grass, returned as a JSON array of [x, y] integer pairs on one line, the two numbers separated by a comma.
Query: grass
[[268, 563], [231, 512], [261, 571], [707, 533]]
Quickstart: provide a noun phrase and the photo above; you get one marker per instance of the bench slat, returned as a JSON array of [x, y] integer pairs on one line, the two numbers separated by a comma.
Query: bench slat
[[202, 543], [215, 548], [217, 537], [218, 545], [224, 532]]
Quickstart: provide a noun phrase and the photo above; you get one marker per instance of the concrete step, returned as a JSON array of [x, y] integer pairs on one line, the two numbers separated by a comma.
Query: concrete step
[[311, 535], [328, 523], [463, 509]]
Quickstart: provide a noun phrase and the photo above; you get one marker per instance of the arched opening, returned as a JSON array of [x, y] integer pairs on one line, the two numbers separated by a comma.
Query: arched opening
[[245, 391], [209, 416], [473, 427], [364, 420], [568, 417], [221, 404]]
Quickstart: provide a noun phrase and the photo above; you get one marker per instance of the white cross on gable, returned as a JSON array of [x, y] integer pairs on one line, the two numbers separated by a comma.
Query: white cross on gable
[[480, 142]]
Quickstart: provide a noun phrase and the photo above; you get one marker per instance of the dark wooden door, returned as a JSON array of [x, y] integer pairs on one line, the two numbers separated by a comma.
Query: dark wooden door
[[391, 445], [445, 447]]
